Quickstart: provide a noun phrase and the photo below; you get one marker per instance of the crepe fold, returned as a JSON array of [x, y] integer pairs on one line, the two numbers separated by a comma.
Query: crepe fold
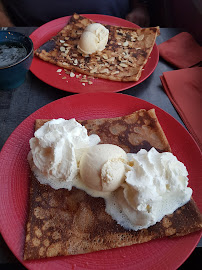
[[123, 59], [62, 222]]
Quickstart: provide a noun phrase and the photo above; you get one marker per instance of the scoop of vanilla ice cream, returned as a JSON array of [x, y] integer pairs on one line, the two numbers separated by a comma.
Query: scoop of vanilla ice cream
[[93, 39], [102, 167], [56, 149], [155, 186]]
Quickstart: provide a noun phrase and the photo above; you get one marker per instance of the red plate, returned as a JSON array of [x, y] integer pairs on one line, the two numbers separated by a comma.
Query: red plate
[[47, 72], [14, 180]]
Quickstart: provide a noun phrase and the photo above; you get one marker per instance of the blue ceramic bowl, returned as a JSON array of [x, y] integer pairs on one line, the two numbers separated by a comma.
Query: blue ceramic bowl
[[13, 75]]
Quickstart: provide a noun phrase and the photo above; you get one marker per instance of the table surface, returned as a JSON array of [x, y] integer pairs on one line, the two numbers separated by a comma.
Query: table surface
[[17, 104]]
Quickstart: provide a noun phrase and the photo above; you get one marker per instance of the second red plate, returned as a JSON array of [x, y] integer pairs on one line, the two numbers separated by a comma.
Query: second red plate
[[47, 72]]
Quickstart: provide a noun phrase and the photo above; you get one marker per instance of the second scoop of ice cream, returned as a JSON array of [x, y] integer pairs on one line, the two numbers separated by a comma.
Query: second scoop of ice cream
[[102, 167], [93, 39]]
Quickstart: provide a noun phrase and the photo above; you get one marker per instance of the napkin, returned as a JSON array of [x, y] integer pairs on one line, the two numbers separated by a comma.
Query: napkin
[[181, 51], [184, 89]]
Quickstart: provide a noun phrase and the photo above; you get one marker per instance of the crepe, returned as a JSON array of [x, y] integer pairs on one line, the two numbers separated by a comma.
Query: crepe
[[123, 59], [62, 222]]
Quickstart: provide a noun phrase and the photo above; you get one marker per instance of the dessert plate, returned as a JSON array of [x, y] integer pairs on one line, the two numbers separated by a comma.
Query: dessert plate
[[166, 253], [47, 72]]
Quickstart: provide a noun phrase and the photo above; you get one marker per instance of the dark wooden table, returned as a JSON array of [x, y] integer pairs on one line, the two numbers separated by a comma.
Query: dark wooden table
[[17, 104]]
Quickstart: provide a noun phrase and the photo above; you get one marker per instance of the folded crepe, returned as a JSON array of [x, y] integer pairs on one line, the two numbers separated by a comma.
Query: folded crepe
[[123, 59], [62, 222], [183, 88], [181, 51]]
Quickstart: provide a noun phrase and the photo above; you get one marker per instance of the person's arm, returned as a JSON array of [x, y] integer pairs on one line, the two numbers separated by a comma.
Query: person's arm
[[139, 13], [4, 18]]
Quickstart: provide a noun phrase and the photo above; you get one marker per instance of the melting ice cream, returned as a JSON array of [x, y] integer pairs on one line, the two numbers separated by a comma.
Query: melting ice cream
[[93, 39]]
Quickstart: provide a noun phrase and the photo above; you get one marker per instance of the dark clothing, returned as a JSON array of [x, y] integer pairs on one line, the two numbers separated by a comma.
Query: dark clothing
[[38, 12]]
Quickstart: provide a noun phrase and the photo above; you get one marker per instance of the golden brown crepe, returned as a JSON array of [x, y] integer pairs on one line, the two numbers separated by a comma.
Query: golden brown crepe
[[123, 59], [62, 222]]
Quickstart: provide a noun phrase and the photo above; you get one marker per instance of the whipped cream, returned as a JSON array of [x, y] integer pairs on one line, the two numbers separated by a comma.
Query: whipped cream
[[93, 39], [155, 186], [56, 149]]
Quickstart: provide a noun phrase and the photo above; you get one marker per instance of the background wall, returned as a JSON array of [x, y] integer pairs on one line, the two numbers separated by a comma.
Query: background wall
[[186, 14]]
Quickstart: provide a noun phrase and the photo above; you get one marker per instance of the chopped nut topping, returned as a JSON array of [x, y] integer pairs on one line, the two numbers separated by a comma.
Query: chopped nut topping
[[75, 62], [62, 49], [125, 44], [106, 70], [111, 59], [115, 72], [123, 65], [120, 57], [126, 56], [83, 80], [120, 68], [93, 70], [71, 74]]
